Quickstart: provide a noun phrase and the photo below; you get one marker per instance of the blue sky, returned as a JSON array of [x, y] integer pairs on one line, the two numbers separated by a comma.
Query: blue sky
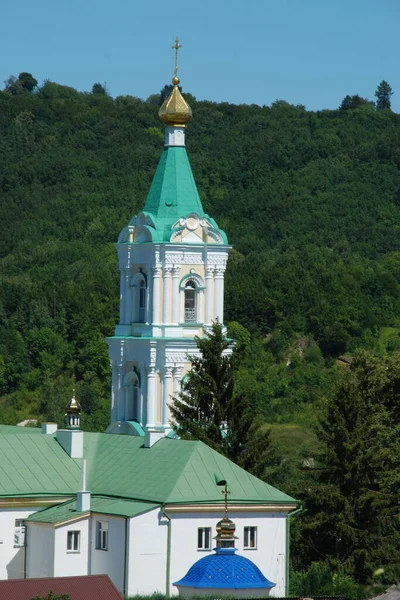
[[310, 52]]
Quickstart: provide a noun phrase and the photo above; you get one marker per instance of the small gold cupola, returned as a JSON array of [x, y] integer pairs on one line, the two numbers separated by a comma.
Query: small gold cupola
[[225, 527], [175, 111], [73, 413]]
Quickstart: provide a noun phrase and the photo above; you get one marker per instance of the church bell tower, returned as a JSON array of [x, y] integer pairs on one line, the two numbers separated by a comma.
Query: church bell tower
[[172, 259]]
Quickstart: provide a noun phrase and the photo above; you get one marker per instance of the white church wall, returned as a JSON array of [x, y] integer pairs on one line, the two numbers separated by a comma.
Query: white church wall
[[12, 551], [147, 559], [110, 560], [269, 555], [40, 550], [71, 562]]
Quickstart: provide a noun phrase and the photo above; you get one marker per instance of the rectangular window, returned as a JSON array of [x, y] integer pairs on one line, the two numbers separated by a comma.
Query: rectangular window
[[250, 538], [73, 541], [19, 532], [102, 535], [204, 538]]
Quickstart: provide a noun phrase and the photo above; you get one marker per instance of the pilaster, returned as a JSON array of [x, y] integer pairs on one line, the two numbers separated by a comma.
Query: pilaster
[[219, 294], [156, 272], [209, 295], [167, 295], [175, 294], [167, 391]]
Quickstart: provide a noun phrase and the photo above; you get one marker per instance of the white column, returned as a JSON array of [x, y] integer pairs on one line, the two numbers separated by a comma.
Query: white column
[[175, 295], [219, 294], [120, 393], [156, 294], [200, 310], [121, 296], [127, 303], [167, 390], [167, 296], [177, 380], [209, 295], [151, 397]]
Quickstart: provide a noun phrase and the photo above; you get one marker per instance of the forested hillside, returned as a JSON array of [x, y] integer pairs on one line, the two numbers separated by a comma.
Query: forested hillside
[[309, 200]]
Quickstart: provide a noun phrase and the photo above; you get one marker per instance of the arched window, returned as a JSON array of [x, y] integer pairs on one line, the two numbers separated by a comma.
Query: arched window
[[142, 301], [139, 298], [132, 396], [190, 302]]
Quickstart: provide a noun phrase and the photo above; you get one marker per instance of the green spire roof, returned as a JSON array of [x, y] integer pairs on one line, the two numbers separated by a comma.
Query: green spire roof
[[173, 192], [173, 195]]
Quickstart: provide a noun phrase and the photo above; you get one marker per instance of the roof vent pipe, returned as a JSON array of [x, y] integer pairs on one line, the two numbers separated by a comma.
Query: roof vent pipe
[[83, 496]]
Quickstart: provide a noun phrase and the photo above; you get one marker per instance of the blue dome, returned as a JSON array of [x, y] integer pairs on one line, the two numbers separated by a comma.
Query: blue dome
[[224, 569]]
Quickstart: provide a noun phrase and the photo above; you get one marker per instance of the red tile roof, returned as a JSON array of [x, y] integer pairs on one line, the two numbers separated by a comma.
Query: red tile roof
[[88, 587]]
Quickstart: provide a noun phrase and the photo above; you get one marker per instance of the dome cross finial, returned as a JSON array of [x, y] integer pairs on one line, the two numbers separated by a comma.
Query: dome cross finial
[[226, 493], [176, 47]]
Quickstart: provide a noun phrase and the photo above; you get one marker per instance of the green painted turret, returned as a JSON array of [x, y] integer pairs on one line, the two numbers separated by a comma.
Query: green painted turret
[[173, 197]]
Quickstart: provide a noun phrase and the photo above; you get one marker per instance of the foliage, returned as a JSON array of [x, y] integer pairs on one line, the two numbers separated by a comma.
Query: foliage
[[319, 580], [310, 202], [352, 508], [208, 408], [383, 93], [52, 596]]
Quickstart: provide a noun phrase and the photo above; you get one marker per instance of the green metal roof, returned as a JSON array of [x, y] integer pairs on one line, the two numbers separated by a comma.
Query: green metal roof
[[172, 471], [98, 504], [19, 429], [173, 194], [32, 464]]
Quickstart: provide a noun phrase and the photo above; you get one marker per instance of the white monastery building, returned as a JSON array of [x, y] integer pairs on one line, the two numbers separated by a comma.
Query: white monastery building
[[142, 507]]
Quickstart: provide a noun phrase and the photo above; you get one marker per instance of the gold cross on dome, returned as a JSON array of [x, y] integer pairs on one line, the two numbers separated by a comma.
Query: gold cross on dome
[[226, 493], [176, 47]]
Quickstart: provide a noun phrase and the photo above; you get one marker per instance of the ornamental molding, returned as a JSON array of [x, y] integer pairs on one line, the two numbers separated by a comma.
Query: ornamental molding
[[173, 358], [184, 258], [192, 277], [193, 259], [174, 258], [217, 259], [215, 235]]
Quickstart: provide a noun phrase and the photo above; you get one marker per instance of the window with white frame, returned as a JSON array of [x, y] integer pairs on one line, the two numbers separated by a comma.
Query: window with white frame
[[190, 302], [204, 538], [102, 535], [250, 538], [19, 532], [73, 541]]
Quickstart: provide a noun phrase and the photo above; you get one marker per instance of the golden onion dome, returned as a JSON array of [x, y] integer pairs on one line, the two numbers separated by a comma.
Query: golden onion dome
[[73, 407], [226, 529], [175, 111]]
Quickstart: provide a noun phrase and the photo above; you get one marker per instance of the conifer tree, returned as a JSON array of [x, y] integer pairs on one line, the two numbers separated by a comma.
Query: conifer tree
[[208, 408], [383, 93], [352, 510]]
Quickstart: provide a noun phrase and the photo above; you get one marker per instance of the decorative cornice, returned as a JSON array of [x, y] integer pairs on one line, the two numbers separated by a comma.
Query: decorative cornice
[[218, 508], [27, 502]]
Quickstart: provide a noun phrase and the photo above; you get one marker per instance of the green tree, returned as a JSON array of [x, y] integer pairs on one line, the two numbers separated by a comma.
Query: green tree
[[52, 596], [97, 88], [351, 102], [383, 94], [208, 409], [352, 516], [28, 82]]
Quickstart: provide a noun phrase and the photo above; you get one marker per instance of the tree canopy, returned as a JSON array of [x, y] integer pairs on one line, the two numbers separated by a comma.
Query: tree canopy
[[310, 202]]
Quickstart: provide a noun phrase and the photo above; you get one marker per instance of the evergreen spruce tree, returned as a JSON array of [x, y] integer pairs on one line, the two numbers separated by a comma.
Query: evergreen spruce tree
[[352, 514], [209, 410], [383, 93]]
